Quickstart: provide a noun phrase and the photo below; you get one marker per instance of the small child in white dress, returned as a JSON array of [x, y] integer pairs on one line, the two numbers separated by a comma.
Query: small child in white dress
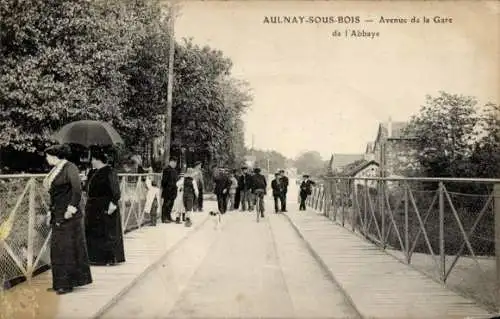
[[187, 191]]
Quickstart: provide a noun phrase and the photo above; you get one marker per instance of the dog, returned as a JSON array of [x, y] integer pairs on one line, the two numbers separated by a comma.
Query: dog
[[218, 218]]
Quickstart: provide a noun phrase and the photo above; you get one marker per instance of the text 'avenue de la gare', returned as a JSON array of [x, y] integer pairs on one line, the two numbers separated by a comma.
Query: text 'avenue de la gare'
[[415, 19]]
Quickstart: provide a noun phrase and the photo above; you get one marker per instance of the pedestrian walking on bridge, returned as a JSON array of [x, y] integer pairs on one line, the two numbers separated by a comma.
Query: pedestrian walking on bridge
[[305, 191], [69, 259], [168, 190], [277, 191]]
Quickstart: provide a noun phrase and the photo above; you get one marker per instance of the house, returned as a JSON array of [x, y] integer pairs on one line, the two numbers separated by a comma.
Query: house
[[338, 162], [362, 169], [394, 150], [369, 151]]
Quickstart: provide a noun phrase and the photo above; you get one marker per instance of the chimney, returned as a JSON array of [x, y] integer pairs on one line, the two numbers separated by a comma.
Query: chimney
[[389, 128]]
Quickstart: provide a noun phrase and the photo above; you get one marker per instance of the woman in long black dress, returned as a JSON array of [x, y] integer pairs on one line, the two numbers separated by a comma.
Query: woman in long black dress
[[103, 226], [69, 260]]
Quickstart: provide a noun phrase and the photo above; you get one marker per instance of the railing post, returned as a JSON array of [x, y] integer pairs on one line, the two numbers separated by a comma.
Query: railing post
[[354, 219], [334, 192], [407, 235], [496, 204], [31, 229], [382, 212], [342, 197], [441, 233], [365, 208]]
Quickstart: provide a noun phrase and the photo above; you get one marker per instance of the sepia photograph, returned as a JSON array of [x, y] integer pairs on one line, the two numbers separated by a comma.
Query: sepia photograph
[[249, 159]]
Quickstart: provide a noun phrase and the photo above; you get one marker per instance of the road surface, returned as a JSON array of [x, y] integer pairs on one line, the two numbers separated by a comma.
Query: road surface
[[243, 269]]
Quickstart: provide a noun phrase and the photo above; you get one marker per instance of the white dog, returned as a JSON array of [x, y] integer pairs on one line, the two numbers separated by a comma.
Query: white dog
[[217, 219]]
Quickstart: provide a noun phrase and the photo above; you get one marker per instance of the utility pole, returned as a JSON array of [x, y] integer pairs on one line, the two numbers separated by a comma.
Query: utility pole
[[170, 84]]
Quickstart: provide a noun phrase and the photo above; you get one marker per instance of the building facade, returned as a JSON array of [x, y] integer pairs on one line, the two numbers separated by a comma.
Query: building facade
[[394, 150]]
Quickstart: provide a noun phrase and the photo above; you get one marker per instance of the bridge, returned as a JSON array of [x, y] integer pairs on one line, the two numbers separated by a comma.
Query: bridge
[[364, 248]]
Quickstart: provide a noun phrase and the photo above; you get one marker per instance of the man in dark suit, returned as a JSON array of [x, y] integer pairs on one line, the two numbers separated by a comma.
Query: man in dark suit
[[168, 190], [284, 187], [259, 186], [305, 190], [245, 185], [277, 191], [221, 190]]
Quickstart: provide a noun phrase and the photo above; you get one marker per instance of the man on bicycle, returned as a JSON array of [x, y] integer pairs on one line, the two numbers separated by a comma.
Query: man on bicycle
[[259, 186]]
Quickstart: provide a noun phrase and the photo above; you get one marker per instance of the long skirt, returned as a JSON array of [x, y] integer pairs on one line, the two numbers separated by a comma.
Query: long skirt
[[179, 203], [69, 259], [103, 233]]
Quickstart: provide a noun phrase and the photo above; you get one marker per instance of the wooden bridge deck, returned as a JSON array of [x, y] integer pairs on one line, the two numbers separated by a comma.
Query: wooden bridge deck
[[378, 284], [143, 249]]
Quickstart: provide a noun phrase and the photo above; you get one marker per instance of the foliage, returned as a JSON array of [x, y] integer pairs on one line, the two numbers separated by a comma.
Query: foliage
[[208, 104], [107, 60], [276, 160], [312, 163], [445, 130], [486, 156], [60, 62]]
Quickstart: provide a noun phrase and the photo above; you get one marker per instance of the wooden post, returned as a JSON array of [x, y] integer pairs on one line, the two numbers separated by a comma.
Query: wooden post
[[31, 229], [496, 204], [441, 233], [170, 85]]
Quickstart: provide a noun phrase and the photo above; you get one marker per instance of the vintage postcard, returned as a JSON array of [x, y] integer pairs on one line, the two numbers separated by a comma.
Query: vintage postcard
[[249, 159]]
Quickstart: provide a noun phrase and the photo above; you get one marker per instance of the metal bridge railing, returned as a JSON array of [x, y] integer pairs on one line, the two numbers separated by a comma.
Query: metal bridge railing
[[445, 228], [24, 235]]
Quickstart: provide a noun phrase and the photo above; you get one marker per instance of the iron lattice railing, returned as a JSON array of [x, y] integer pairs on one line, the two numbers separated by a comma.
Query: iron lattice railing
[[24, 235], [444, 228]]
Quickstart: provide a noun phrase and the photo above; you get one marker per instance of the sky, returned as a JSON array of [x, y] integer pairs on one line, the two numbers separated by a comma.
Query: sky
[[313, 91]]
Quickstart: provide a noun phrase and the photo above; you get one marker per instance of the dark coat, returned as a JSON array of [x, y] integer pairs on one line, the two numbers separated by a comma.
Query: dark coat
[[69, 259], [245, 182], [306, 187], [277, 188], [66, 189], [103, 231], [284, 183], [222, 182], [258, 182], [169, 183]]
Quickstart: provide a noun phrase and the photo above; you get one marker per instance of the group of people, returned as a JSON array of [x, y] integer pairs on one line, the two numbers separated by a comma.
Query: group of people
[[181, 193], [242, 189], [82, 236], [91, 234]]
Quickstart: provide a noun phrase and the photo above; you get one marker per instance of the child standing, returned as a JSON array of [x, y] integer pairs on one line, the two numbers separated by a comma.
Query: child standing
[[189, 193], [178, 207], [232, 191]]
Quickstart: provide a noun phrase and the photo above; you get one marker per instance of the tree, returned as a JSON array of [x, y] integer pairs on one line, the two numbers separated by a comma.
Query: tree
[[146, 71], [272, 159], [310, 162], [107, 60], [486, 156], [60, 62], [207, 104], [445, 130]]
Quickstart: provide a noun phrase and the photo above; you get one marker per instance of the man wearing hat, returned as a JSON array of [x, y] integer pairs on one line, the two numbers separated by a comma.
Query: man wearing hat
[[259, 186], [221, 190], [305, 190], [245, 185], [277, 191], [168, 190], [283, 180], [198, 178]]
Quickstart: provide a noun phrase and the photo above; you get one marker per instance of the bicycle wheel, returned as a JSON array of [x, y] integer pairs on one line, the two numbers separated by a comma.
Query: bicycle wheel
[[257, 209]]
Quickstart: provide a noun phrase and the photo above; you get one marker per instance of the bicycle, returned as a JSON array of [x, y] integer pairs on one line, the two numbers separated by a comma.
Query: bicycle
[[259, 193]]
